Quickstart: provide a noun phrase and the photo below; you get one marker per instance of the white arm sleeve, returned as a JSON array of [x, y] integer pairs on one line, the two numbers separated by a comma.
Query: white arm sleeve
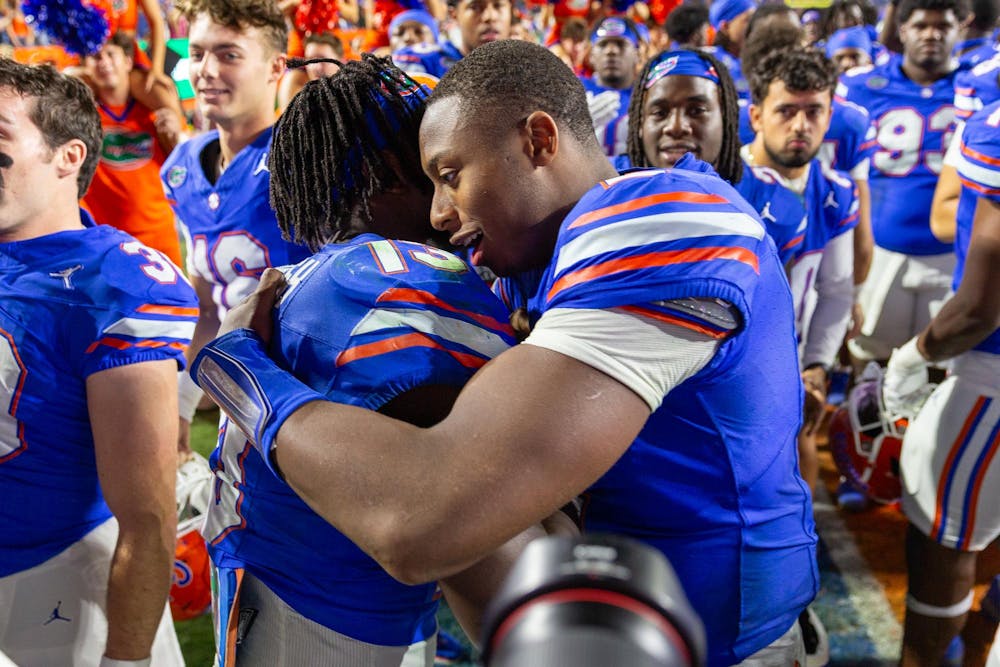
[[834, 298], [860, 170], [648, 356]]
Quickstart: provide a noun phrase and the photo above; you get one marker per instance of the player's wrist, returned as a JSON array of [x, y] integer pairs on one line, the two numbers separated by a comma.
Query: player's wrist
[[112, 662], [188, 396], [908, 356], [253, 391]]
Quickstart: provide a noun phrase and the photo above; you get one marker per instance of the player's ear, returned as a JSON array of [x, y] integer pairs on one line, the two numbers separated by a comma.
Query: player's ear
[[69, 158], [541, 135], [278, 65], [755, 111]]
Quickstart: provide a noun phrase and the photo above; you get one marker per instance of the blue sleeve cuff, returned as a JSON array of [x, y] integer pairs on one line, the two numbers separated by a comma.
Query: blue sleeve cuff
[[252, 390]]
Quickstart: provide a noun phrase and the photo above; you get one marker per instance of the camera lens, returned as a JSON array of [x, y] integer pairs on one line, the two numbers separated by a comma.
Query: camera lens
[[593, 600]]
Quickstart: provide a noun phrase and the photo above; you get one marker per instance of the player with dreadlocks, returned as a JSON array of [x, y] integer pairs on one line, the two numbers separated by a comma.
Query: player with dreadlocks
[[684, 101], [412, 325]]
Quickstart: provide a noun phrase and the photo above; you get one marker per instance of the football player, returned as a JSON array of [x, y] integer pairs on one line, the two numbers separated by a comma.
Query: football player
[[412, 324], [662, 427], [218, 182], [479, 22], [910, 100], [792, 97], [729, 19], [614, 56], [950, 471], [93, 327]]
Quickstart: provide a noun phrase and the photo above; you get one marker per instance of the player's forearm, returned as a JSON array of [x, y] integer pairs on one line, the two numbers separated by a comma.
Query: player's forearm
[[407, 496], [864, 241], [138, 586], [958, 328]]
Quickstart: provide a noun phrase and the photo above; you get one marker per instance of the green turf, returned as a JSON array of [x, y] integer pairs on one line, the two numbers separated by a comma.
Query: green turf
[[197, 642]]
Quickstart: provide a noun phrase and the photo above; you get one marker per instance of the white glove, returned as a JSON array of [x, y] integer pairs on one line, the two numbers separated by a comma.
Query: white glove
[[604, 107], [905, 385]]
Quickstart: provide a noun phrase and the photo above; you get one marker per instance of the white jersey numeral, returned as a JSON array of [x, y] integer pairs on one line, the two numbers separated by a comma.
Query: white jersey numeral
[[12, 377]]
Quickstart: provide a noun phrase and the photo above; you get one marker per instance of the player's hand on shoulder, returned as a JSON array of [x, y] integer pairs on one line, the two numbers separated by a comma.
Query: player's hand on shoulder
[[905, 384], [255, 311]]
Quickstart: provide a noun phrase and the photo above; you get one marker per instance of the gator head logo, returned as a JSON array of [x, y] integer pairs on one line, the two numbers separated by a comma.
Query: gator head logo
[[126, 150]]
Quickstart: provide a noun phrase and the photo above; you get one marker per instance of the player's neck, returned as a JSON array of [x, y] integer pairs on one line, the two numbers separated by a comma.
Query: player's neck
[[758, 156], [114, 97], [57, 218], [923, 76], [234, 136]]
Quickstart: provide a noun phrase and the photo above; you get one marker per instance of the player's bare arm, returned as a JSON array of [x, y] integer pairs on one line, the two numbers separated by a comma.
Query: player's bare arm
[[369, 477], [974, 312], [132, 412]]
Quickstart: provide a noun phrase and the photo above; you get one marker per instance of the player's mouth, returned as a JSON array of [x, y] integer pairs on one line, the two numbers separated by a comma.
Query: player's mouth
[[675, 152], [798, 145], [211, 94], [472, 241], [489, 35]]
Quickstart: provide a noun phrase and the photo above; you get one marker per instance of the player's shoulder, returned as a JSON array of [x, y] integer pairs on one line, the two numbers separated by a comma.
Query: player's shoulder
[[183, 165], [682, 195], [851, 115], [981, 134], [136, 275], [363, 269]]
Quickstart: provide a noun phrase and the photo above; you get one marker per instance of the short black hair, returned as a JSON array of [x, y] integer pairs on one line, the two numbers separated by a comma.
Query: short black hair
[[684, 21], [63, 110], [729, 165], [907, 7], [801, 70], [764, 12], [985, 12], [505, 81], [768, 38], [328, 151]]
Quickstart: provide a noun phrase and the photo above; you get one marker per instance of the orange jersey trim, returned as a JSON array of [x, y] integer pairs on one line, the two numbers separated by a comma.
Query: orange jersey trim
[[653, 259], [645, 202]]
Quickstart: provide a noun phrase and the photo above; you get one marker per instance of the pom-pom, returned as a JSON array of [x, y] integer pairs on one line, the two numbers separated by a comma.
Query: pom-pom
[[80, 27]]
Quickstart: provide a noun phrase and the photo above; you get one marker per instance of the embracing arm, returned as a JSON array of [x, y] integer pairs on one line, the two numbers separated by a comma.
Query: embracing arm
[[133, 416], [529, 432]]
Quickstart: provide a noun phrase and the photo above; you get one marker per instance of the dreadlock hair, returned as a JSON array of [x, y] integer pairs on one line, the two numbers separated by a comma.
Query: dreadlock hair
[[500, 83], [328, 155], [767, 38], [869, 15], [729, 164], [800, 69]]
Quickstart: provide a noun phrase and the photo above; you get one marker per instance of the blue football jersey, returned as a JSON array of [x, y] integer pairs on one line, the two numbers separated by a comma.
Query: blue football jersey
[[74, 303], [979, 170], [361, 322], [433, 59], [712, 478], [971, 52], [229, 226], [613, 135], [977, 87], [913, 127], [782, 211]]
